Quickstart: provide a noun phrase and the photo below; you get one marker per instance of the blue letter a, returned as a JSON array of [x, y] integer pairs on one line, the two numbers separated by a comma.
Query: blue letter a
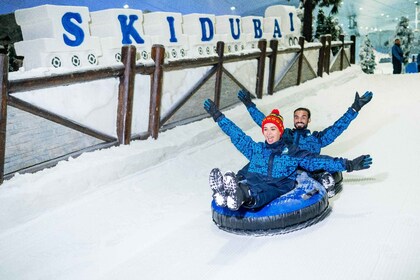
[[277, 31]]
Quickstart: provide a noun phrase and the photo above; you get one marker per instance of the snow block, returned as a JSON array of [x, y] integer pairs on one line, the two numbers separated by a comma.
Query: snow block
[[286, 18], [166, 29], [61, 32], [231, 27], [119, 27], [200, 29], [252, 31]]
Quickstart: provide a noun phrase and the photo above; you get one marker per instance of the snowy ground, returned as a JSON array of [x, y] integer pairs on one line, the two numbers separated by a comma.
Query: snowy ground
[[143, 211]]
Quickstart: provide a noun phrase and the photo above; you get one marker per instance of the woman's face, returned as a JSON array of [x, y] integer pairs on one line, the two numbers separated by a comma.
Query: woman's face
[[271, 133]]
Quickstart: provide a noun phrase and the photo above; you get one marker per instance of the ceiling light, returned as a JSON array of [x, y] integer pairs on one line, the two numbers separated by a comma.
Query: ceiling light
[[126, 6], [232, 8]]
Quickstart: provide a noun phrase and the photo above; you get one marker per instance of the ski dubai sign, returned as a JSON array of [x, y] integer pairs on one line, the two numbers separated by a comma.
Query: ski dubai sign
[[72, 37]]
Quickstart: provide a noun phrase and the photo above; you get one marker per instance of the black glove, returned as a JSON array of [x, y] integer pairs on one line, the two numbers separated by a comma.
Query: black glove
[[212, 109], [359, 163], [245, 97], [359, 102]]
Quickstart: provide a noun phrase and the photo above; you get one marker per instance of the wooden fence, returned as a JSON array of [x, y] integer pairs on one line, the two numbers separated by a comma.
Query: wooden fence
[[127, 71]]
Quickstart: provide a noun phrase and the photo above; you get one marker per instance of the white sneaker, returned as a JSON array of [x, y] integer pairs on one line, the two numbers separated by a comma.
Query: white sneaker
[[218, 188], [235, 195]]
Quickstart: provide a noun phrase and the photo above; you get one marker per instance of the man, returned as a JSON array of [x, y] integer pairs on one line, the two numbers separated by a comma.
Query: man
[[302, 137], [418, 62], [397, 57]]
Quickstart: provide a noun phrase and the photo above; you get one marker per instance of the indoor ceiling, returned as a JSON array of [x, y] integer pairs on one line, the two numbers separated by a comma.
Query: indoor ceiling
[[378, 15], [370, 15]]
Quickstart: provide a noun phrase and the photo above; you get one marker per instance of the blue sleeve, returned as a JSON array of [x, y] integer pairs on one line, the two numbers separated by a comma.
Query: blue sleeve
[[239, 139], [256, 115], [315, 162], [328, 135]]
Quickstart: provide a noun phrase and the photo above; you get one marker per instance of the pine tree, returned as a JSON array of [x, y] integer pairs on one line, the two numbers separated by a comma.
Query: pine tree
[[327, 25], [309, 6], [406, 36], [367, 56], [320, 24]]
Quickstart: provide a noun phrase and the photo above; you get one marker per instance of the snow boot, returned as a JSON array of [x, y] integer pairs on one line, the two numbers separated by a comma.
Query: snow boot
[[218, 187], [327, 180], [236, 196]]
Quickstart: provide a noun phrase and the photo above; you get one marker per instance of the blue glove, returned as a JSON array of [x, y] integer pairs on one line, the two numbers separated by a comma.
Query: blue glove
[[212, 109], [245, 97], [359, 102], [359, 163]]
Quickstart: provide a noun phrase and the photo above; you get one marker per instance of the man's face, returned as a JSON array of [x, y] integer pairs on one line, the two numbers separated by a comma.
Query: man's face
[[301, 119], [398, 42]]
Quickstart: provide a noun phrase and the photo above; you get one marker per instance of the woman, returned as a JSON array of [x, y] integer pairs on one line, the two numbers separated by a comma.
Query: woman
[[273, 164]]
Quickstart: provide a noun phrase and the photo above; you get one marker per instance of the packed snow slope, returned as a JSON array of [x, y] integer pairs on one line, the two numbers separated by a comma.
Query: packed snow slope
[[143, 211]]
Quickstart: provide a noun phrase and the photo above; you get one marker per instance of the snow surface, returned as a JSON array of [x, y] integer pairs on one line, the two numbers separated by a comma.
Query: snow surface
[[143, 211]]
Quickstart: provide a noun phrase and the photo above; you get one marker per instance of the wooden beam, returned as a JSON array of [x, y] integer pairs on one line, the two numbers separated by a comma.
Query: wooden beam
[[4, 70], [300, 63], [27, 107], [327, 55], [272, 66], [262, 45], [125, 95], [219, 72], [353, 49], [156, 80], [321, 56], [342, 53], [56, 80]]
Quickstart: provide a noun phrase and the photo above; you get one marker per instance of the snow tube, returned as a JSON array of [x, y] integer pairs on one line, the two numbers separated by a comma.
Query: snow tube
[[303, 206], [338, 178]]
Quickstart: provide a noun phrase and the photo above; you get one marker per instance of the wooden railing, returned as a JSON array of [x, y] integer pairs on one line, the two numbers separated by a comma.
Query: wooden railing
[[126, 73]]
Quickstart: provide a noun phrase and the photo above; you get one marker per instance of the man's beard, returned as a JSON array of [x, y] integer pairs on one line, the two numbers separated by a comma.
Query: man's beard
[[301, 127]]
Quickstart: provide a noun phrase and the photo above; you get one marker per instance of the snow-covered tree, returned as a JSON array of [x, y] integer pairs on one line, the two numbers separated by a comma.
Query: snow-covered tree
[[367, 56], [308, 7], [406, 36], [327, 25]]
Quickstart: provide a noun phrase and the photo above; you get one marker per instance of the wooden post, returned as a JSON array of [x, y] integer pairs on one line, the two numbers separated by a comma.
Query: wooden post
[[219, 73], [125, 95], [342, 53], [4, 70], [353, 49], [262, 45], [321, 56], [327, 55], [272, 67], [300, 63], [156, 80]]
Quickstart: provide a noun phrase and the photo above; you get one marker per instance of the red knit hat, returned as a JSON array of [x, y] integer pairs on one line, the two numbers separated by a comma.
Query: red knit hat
[[274, 118]]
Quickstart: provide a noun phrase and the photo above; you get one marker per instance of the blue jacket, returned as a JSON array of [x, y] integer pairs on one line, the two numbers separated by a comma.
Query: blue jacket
[[274, 166], [303, 138], [397, 54]]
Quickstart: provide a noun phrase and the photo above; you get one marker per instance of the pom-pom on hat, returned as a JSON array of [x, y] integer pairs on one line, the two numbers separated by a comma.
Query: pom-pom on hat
[[274, 118]]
